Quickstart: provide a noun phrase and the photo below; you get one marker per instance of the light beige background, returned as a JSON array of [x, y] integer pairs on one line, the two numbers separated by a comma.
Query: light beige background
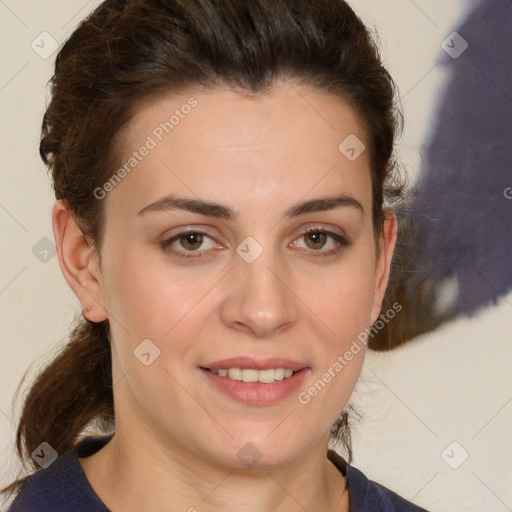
[[452, 385]]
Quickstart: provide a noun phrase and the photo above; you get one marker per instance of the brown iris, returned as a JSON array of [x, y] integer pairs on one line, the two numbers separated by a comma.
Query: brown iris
[[192, 239], [319, 239]]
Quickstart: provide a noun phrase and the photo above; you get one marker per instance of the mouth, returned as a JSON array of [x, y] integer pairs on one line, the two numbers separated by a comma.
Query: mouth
[[265, 376], [256, 382], [251, 369]]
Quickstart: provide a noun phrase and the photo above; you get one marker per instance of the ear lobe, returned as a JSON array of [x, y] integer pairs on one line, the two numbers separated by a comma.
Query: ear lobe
[[79, 263], [387, 242]]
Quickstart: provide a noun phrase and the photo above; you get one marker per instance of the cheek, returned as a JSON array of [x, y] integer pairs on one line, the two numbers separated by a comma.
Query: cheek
[[343, 304], [344, 297], [148, 302], [142, 292], [153, 299]]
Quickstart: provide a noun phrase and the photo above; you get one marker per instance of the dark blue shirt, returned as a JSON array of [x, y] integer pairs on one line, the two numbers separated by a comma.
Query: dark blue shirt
[[63, 486]]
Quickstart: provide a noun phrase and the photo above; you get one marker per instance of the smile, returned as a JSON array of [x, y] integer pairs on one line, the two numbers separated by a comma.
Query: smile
[[266, 376], [255, 387]]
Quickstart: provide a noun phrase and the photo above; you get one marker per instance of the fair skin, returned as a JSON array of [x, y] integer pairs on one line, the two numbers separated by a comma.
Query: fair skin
[[176, 434]]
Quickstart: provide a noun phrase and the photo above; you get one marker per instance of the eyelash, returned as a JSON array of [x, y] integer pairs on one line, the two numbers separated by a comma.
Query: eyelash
[[342, 242]]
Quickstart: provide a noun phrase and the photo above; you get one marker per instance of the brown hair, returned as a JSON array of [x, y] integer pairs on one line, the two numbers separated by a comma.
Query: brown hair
[[127, 51]]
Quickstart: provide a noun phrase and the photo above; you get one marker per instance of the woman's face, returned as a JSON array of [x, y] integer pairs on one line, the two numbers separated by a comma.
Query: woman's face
[[252, 176]]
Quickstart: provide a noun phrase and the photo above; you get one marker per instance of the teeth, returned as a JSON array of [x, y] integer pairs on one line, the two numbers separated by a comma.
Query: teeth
[[271, 375], [250, 375], [235, 373]]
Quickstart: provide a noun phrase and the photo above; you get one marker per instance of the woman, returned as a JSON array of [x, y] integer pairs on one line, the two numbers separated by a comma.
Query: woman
[[223, 171]]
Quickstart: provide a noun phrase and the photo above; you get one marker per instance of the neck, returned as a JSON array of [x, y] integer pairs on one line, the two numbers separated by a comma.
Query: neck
[[123, 472]]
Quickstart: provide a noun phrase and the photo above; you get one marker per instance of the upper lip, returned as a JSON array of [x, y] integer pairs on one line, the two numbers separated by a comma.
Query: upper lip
[[255, 364]]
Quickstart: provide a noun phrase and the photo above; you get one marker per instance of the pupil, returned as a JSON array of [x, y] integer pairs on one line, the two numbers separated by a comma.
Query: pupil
[[318, 237], [193, 239]]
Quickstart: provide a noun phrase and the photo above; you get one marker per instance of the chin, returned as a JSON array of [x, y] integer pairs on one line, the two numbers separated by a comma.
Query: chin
[[259, 448]]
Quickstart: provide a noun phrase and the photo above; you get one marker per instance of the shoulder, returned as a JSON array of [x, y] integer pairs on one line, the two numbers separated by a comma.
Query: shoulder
[[367, 495], [62, 485]]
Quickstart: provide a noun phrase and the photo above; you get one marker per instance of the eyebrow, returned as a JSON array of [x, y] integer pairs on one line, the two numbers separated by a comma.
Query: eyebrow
[[223, 212]]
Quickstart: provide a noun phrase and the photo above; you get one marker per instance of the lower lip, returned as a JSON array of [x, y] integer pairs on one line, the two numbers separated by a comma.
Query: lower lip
[[257, 393]]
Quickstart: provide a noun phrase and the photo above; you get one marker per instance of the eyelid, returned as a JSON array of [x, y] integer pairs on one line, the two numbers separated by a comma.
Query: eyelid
[[340, 239], [325, 229], [167, 241], [203, 230]]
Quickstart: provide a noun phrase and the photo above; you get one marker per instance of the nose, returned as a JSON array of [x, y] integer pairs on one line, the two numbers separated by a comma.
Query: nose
[[260, 299]]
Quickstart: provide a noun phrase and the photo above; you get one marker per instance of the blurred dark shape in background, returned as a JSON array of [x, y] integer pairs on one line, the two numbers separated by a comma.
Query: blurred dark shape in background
[[455, 254]]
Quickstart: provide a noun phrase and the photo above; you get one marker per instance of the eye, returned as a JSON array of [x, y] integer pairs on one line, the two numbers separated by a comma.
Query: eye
[[190, 241], [190, 244], [316, 239]]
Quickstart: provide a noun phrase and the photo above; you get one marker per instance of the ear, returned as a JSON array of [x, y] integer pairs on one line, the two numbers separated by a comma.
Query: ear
[[79, 262], [387, 241]]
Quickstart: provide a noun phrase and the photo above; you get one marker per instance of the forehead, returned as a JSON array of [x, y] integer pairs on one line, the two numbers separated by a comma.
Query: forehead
[[219, 141]]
